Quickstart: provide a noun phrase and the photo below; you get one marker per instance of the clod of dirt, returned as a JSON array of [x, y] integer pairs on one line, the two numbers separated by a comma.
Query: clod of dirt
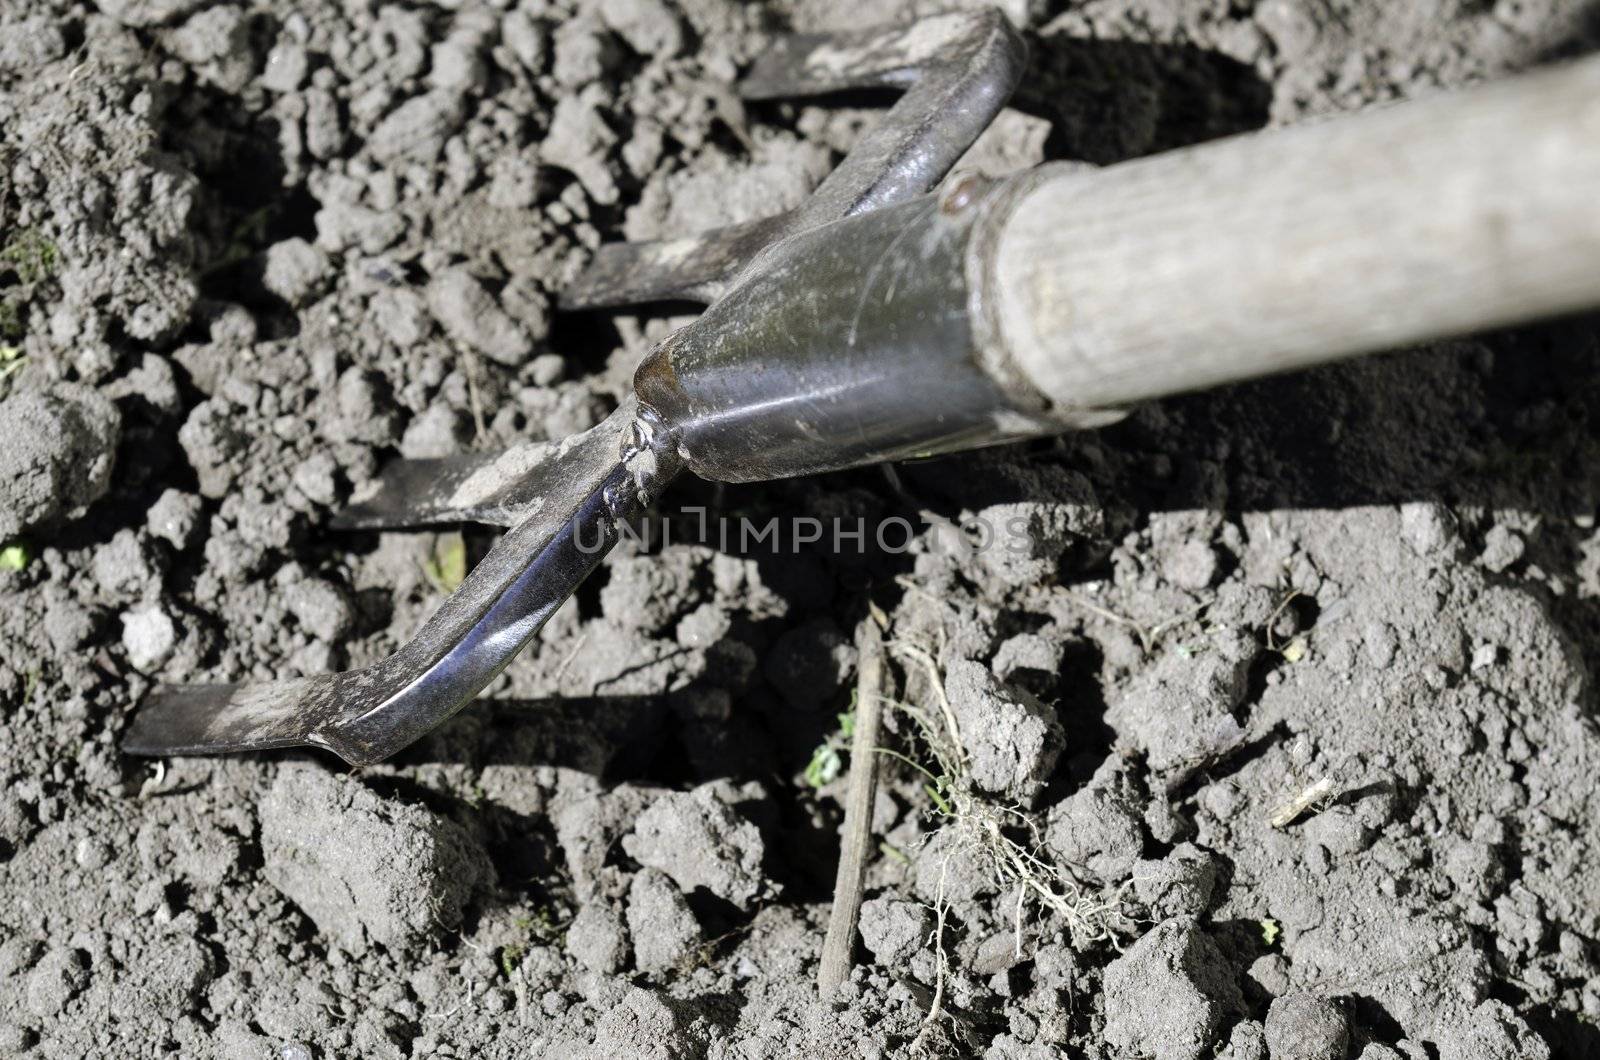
[[61, 976], [808, 664], [440, 431], [68, 624], [470, 315], [1428, 526], [894, 929], [125, 566], [649, 27], [16, 827], [1502, 548], [1247, 1041], [29, 44], [367, 408], [295, 270], [1179, 884], [174, 517], [1181, 711], [953, 866], [1029, 661], [649, 593], [1492, 1032], [116, 229], [1031, 537], [365, 868], [148, 636], [726, 190], [1097, 831], [1191, 565], [663, 927], [646, 1026], [586, 830], [322, 608], [216, 42], [584, 52], [176, 970], [1012, 740], [598, 939], [580, 142], [699, 840], [216, 447], [59, 448], [149, 12], [1307, 1027], [418, 128], [1165, 998]]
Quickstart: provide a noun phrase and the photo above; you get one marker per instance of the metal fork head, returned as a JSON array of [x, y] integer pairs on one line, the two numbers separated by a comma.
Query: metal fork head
[[564, 503]]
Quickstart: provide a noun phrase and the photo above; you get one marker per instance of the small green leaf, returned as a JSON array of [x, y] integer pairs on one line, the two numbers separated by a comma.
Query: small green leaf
[[847, 724], [1270, 930], [894, 853], [823, 767], [12, 361], [15, 556], [510, 957], [937, 796], [447, 567]]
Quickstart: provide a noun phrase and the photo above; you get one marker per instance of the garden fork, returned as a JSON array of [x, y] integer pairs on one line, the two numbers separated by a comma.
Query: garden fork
[[884, 320]]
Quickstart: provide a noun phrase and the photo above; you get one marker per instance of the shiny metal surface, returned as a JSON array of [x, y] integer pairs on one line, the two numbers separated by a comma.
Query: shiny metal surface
[[851, 344], [365, 715]]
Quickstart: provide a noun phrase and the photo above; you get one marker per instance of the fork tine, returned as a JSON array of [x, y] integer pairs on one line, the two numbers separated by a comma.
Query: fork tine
[[495, 489], [957, 70], [695, 268], [585, 489]]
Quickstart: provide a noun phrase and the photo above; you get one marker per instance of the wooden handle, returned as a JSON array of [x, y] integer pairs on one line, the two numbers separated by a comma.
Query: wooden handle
[[1293, 247]]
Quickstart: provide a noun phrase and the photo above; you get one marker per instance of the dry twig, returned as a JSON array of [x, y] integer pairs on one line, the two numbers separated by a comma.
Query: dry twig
[[847, 888], [1286, 814]]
